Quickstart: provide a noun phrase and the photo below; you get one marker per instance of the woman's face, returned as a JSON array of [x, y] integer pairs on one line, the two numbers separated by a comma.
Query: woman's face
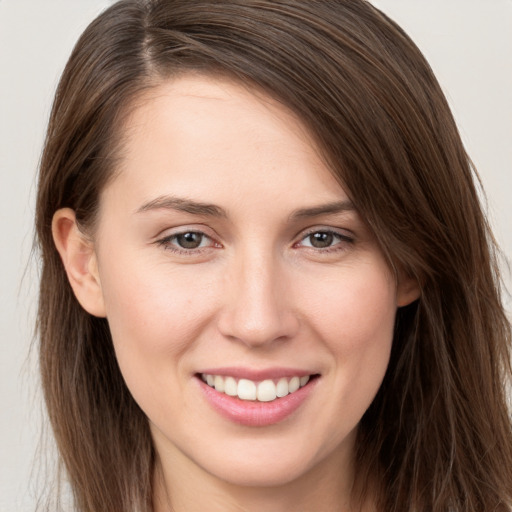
[[227, 252]]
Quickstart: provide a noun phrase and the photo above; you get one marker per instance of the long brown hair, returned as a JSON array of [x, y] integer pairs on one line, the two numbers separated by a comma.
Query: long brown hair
[[438, 436]]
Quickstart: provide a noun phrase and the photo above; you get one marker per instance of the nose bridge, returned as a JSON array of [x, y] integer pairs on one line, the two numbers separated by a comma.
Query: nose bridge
[[257, 310]]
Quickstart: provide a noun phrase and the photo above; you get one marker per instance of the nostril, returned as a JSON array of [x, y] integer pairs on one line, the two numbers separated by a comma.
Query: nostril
[[258, 326], [257, 308]]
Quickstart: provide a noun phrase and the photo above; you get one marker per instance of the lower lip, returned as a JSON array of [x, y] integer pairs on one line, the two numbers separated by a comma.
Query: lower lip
[[253, 413]]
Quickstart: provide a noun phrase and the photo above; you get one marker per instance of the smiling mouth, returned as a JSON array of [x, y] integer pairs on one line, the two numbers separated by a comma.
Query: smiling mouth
[[267, 390]]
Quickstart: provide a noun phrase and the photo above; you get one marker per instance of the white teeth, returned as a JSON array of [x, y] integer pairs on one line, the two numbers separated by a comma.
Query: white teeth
[[218, 382], [294, 384], [246, 389], [230, 386], [264, 391], [282, 387]]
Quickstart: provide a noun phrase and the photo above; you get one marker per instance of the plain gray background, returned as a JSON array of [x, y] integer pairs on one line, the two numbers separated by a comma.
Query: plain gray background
[[468, 43]]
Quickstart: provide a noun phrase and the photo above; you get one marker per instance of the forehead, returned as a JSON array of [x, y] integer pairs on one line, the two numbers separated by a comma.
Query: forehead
[[197, 135], [219, 109]]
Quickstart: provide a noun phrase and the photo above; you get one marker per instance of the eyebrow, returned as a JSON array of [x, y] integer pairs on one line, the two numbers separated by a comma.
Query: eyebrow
[[324, 209], [183, 205], [212, 210]]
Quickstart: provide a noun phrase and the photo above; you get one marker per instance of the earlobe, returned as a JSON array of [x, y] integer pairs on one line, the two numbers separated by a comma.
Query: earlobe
[[80, 262], [408, 291]]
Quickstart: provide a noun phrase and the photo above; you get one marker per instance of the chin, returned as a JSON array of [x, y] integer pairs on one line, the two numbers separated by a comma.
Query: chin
[[254, 473], [271, 462]]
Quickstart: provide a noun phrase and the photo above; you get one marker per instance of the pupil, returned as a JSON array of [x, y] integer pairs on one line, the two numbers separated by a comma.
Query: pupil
[[190, 240], [321, 240]]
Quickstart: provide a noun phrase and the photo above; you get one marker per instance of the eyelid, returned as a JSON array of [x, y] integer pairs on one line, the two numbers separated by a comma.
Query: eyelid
[[342, 234], [181, 229], [166, 239]]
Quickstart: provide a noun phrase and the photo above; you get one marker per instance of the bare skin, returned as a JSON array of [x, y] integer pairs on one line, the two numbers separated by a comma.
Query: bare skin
[[225, 242]]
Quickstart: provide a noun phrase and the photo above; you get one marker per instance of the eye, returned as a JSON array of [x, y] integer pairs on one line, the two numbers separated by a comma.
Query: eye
[[190, 240], [187, 241], [320, 239], [324, 239]]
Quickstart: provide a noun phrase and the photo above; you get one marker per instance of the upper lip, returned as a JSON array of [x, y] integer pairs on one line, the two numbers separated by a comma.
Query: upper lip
[[257, 374]]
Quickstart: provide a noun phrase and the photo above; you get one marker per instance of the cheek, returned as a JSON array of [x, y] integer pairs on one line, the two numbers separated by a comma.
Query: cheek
[[154, 317], [356, 310], [141, 296], [355, 317]]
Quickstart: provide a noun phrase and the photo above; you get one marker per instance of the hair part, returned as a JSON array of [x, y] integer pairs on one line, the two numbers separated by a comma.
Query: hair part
[[438, 435]]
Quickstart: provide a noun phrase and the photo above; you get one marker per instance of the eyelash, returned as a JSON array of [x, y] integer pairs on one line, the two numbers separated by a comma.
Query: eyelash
[[342, 239], [168, 242]]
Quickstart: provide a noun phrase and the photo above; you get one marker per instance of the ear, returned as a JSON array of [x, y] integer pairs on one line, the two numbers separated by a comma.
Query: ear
[[80, 262], [408, 290]]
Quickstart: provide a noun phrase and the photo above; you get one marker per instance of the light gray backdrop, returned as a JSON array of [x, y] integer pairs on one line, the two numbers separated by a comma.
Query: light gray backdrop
[[469, 45]]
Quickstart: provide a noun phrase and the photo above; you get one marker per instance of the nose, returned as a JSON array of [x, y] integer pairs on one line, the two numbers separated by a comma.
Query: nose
[[258, 304]]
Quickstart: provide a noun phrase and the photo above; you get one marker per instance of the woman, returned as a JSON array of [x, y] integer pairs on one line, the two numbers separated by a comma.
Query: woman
[[267, 281]]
